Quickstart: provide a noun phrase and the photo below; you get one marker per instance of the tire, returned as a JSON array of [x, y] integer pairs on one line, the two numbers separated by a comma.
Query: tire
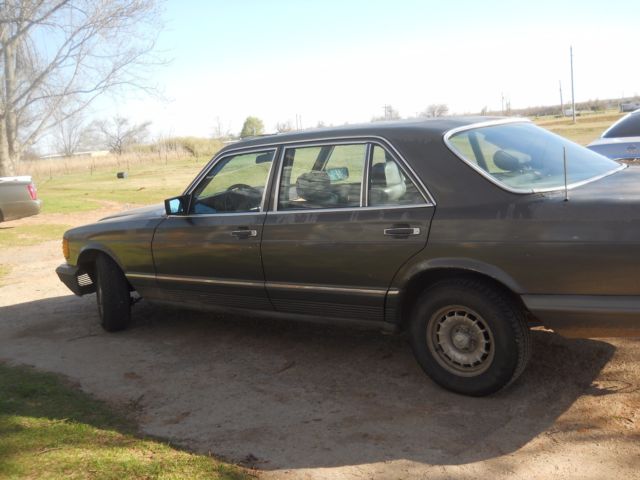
[[112, 293], [469, 337]]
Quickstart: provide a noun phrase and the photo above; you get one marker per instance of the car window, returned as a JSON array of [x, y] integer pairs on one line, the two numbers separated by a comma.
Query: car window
[[628, 126], [525, 157], [388, 184], [327, 176], [234, 184]]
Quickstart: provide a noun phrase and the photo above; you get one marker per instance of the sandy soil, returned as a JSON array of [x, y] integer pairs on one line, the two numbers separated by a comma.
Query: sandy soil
[[309, 402]]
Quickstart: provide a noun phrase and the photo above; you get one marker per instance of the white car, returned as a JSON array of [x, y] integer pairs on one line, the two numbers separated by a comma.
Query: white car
[[18, 198]]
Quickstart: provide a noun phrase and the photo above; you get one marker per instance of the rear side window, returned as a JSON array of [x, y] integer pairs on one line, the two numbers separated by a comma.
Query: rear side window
[[629, 126], [388, 184], [528, 158], [327, 176]]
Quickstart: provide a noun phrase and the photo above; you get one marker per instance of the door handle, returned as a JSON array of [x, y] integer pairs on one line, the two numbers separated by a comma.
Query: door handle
[[402, 231], [244, 233]]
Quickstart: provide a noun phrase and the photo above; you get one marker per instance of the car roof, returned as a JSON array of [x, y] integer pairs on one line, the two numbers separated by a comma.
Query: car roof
[[428, 128], [611, 131]]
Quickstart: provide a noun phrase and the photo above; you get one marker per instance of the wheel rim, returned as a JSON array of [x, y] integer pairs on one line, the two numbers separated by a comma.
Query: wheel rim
[[460, 340]]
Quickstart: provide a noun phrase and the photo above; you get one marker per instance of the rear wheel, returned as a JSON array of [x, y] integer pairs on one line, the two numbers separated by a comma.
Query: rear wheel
[[112, 293], [469, 337]]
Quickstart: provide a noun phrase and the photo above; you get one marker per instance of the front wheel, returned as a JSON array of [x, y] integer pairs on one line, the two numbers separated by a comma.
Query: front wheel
[[113, 296], [469, 337]]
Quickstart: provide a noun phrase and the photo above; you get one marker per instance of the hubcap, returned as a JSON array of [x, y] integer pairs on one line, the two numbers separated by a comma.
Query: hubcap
[[460, 340]]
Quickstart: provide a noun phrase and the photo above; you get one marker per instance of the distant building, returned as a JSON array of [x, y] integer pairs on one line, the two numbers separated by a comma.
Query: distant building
[[88, 154]]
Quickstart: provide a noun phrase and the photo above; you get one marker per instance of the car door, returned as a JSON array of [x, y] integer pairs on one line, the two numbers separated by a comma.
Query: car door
[[211, 256], [345, 217]]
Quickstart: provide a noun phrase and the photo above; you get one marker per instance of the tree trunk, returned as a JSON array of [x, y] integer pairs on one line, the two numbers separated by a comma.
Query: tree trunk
[[8, 125], [6, 164]]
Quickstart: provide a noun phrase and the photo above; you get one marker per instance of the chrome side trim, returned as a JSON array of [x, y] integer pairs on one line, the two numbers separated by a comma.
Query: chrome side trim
[[142, 276], [495, 181], [326, 288], [221, 214], [614, 141], [348, 209], [200, 280], [276, 285]]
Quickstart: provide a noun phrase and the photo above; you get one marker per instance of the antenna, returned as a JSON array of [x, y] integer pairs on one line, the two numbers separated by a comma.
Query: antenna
[[564, 160]]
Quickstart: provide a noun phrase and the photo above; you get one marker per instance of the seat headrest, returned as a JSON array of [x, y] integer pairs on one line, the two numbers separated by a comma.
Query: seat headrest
[[386, 174], [505, 161]]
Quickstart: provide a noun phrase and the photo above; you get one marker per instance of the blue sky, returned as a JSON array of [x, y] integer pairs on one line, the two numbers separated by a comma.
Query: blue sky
[[341, 61]]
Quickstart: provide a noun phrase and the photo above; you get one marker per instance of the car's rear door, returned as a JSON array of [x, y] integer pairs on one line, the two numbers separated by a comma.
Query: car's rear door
[[211, 256], [331, 247]]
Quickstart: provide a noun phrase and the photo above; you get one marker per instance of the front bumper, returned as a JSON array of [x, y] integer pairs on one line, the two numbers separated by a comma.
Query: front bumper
[[587, 316], [76, 280]]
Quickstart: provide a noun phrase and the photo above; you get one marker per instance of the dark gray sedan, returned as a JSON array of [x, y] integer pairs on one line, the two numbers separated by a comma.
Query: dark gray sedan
[[621, 141], [464, 232]]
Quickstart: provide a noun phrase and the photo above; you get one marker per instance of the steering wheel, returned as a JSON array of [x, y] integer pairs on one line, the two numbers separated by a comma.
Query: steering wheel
[[242, 186]]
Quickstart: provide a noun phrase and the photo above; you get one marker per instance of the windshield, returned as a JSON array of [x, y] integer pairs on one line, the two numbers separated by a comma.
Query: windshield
[[525, 157]]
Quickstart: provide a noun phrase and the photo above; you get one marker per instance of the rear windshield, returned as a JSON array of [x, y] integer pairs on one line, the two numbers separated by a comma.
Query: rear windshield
[[628, 126], [524, 157]]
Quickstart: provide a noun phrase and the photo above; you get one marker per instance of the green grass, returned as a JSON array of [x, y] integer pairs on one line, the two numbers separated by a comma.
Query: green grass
[[25, 235], [586, 129], [145, 184], [49, 430]]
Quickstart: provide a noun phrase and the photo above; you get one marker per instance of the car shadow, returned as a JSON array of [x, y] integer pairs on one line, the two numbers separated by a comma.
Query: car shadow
[[276, 394]]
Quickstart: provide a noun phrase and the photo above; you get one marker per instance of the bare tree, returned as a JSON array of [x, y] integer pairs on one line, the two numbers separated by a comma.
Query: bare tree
[[435, 110], [283, 127], [119, 134], [57, 56], [220, 131], [73, 134]]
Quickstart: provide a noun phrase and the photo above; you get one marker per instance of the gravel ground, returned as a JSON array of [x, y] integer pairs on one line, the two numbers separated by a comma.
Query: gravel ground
[[308, 401]]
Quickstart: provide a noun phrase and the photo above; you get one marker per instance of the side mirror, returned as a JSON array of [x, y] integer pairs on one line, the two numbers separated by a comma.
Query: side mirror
[[177, 205], [338, 173]]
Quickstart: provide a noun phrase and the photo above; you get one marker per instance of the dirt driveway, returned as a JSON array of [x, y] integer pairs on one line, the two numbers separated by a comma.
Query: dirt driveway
[[305, 401]]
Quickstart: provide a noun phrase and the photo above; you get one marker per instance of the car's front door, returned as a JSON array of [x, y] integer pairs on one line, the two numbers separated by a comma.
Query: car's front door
[[331, 246], [211, 255]]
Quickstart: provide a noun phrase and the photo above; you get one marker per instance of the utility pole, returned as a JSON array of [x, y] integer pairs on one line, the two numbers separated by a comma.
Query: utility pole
[[387, 111], [502, 102], [561, 102], [573, 98]]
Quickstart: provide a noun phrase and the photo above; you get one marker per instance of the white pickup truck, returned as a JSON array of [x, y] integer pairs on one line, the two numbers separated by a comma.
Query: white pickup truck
[[18, 198]]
